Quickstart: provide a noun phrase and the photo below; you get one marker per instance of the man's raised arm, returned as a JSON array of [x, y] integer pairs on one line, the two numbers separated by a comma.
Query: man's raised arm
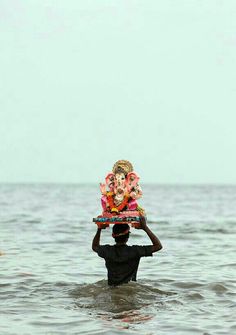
[[156, 244], [96, 240]]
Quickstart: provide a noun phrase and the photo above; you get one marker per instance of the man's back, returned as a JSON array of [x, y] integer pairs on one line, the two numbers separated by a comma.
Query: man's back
[[122, 261]]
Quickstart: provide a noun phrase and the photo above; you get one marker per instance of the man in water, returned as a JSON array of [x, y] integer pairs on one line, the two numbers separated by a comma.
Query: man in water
[[122, 261]]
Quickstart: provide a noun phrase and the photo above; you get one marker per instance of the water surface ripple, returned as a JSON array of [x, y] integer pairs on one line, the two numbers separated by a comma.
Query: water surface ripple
[[52, 283]]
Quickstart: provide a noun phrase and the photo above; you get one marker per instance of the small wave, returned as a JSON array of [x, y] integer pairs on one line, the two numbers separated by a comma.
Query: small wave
[[218, 288], [187, 285], [25, 274], [227, 265], [50, 286], [195, 296], [51, 323], [157, 222], [5, 285], [217, 230], [33, 221]]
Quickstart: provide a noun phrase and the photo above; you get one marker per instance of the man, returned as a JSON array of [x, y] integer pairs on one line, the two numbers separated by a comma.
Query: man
[[121, 260]]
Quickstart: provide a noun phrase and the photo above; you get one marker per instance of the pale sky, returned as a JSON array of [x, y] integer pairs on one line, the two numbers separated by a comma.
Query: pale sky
[[85, 83]]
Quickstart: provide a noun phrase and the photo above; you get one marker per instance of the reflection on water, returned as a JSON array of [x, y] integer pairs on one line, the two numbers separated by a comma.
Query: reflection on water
[[128, 304]]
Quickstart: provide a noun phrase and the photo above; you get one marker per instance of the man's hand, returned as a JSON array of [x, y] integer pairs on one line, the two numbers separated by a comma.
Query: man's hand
[[143, 223], [103, 225]]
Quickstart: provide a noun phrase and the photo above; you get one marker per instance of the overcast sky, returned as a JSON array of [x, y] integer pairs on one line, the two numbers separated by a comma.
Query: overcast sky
[[85, 83]]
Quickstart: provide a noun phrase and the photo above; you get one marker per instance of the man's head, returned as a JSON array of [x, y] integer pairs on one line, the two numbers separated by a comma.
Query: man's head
[[121, 232]]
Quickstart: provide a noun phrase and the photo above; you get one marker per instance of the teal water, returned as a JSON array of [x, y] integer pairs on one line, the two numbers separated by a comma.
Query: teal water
[[51, 282]]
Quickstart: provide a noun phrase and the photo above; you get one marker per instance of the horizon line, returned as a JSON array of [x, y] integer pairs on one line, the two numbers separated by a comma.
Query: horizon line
[[97, 183]]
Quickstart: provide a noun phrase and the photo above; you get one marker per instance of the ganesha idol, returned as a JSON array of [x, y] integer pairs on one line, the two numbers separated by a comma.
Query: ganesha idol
[[120, 193]]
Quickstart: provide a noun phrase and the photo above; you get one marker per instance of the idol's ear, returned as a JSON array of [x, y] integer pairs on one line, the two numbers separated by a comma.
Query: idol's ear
[[110, 178], [132, 180]]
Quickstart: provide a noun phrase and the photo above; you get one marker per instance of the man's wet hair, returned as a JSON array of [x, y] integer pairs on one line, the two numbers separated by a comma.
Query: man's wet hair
[[119, 229]]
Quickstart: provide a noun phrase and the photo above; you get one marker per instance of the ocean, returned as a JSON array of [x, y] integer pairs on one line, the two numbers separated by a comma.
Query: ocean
[[51, 282]]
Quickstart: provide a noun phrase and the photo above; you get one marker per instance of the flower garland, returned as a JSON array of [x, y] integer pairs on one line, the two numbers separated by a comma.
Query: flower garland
[[113, 207]]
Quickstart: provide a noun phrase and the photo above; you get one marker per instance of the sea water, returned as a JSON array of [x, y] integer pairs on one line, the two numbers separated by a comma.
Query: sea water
[[51, 282]]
